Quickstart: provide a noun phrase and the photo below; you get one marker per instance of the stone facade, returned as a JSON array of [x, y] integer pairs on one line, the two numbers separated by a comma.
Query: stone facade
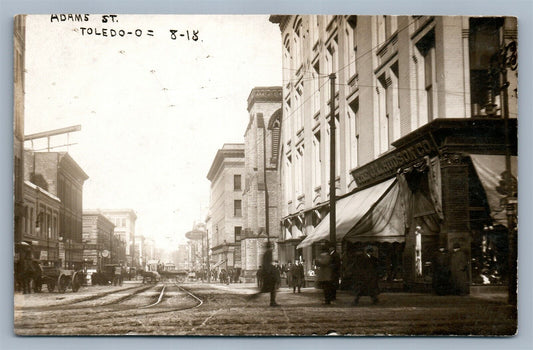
[[261, 144], [225, 207], [393, 76]]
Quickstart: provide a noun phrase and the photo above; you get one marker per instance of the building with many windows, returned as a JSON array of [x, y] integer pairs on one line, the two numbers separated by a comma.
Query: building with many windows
[[19, 42], [425, 107], [40, 225], [58, 174], [124, 221], [98, 240], [224, 222]]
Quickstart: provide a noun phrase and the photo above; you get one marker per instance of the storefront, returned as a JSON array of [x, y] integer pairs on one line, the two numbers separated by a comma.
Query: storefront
[[440, 189]]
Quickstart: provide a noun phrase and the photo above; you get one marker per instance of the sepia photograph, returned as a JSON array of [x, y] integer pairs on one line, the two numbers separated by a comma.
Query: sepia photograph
[[265, 175]]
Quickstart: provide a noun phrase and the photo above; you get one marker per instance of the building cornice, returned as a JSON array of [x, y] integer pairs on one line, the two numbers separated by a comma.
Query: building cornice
[[264, 94], [282, 20], [70, 164], [236, 151]]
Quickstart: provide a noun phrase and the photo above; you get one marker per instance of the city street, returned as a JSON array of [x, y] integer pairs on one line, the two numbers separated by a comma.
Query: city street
[[196, 308]]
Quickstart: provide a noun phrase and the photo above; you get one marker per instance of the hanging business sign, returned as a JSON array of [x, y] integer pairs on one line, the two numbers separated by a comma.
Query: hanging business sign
[[387, 165]]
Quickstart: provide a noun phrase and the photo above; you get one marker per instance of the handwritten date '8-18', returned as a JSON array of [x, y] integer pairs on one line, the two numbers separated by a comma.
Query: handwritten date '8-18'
[[174, 34]]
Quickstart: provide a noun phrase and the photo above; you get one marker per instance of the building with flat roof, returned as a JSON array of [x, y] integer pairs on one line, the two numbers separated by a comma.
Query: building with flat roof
[[58, 174], [424, 107], [226, 207], [99, 242], [124, 221]]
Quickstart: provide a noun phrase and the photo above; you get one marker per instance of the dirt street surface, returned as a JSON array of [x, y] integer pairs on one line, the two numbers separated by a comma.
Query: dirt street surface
[[216, 309]]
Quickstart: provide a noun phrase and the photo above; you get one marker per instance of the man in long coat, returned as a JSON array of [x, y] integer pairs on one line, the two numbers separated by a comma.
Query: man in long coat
[[297, 276], [441, 272], [329, 273], [270, 277], [366, 276]]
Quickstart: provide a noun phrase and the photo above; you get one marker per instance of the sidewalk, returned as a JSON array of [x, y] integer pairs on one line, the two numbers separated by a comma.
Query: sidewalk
[[345, 297]]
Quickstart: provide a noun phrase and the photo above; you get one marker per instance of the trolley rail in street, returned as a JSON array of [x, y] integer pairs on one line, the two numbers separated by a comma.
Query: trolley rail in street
[[108, 312]]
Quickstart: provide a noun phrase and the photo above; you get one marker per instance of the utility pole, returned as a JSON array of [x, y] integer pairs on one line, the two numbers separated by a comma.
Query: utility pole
[[267, 225], [332, 190], [208, 263]]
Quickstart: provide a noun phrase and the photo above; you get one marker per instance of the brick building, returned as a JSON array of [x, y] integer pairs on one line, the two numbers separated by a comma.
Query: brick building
[[100, 245], [40, 224], [60, 175], [124, 221], [420, 119], [19, 38], [225, 206], [261, 177]]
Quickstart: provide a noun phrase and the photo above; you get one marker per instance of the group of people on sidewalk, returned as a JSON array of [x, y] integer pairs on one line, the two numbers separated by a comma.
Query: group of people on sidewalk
[[365, 275], [329, 271]]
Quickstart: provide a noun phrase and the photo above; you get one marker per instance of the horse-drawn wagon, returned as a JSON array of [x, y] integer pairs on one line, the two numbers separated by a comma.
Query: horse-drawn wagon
[[61, 278], [110, 274]]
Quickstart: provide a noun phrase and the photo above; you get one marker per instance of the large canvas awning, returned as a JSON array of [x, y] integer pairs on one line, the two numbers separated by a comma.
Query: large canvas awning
[[365, 215], [489, 169]]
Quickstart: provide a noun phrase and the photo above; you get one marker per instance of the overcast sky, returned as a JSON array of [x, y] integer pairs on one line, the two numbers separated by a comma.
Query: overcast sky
[[153, 110]]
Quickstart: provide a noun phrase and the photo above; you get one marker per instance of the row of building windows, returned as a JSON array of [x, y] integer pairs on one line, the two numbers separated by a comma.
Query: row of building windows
[[340, 40], [40, 225], [119, 222]]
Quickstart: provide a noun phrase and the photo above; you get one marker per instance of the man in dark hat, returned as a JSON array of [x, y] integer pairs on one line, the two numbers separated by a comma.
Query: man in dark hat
[[329, 263], [366, 276], [460, 270], [270, 277], [441, 271]]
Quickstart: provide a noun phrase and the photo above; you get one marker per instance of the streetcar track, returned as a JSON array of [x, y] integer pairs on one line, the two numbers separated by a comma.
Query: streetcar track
[[158, 300], [113, 313], [81, 300]]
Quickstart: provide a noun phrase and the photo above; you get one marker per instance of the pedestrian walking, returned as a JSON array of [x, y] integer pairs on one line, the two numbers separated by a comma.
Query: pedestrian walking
[[366, 276], [259, 277], [441, 272], [270, 277], [287, 270], [335, 268], [328, 273], [297, 276], [460, 271]]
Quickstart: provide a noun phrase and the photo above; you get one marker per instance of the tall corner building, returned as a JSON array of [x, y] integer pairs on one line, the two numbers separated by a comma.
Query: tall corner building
[[425, 115], [224, 223], [261, 177]]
